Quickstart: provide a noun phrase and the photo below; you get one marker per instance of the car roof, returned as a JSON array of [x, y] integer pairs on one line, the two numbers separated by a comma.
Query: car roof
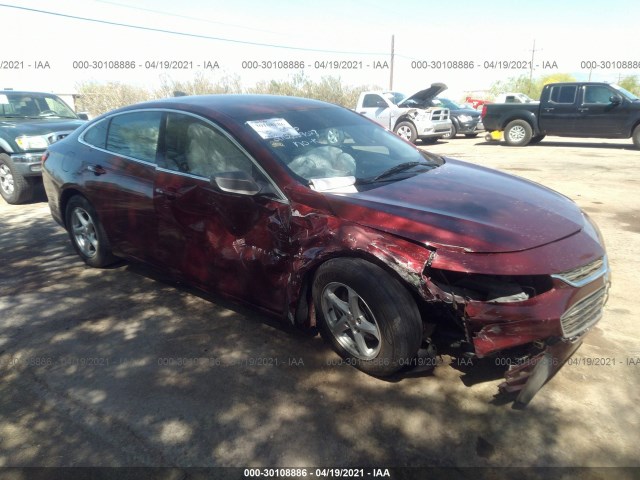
[[235, 105]]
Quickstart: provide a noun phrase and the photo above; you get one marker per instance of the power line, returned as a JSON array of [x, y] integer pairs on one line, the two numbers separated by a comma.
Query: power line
[[191, 35], [163, 12]]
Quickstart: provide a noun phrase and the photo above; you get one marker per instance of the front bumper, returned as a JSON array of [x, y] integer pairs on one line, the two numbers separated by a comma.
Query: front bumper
[[471, 126], [548, 326], [28, 164], [434, 128]]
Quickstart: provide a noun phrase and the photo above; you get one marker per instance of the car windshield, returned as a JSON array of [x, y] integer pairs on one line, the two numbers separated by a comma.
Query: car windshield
[[29, 105], [334, 149], [624, 92], [446, 103]]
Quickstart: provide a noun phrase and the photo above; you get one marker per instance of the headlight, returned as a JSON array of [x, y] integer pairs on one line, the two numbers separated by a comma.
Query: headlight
[[465, 118], [37, 142]]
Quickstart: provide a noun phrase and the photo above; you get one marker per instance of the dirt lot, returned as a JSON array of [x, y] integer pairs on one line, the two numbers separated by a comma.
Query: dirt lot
[[97, 366]]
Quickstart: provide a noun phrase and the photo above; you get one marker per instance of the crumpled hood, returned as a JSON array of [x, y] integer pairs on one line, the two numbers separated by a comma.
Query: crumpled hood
[[425, 95], [465, 206]]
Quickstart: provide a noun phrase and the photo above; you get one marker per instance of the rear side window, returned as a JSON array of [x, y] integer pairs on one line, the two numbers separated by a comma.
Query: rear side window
[[135, 135], [563, 94], [372, 101], [96, 135]]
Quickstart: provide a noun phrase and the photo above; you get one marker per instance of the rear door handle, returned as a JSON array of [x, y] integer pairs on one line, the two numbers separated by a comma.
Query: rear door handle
[[96, 169]]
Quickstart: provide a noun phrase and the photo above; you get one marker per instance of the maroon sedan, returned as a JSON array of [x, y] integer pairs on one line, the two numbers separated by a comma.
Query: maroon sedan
[[311, 212]]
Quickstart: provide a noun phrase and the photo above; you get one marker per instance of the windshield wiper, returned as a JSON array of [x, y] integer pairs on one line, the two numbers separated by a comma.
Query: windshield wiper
[[396, 169]]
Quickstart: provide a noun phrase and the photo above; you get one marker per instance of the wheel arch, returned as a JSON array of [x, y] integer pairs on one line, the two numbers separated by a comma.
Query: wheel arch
[[305, 316], [66, 195], [528, 117]]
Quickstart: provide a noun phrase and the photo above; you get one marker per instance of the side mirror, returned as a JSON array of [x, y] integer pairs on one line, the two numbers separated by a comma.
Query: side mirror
[[238, 182], [83, 115], [615, 99]]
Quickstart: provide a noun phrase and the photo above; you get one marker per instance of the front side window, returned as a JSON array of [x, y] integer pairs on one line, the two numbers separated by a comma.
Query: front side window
[[597, 94], [135, 135], [195, 147]]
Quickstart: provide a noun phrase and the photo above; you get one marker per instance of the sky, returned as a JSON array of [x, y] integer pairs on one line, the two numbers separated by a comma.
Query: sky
[[464, 44]]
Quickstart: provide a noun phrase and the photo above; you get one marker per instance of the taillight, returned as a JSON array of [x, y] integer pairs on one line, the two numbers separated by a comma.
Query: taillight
[[45, 155], [484, 111]]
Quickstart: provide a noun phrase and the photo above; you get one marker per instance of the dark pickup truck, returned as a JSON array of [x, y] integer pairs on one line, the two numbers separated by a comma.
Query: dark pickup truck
[[576, 109], [29, 123]]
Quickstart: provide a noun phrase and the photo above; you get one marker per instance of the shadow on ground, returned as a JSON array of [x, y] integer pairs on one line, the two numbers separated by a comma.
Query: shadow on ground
[[117, 367]]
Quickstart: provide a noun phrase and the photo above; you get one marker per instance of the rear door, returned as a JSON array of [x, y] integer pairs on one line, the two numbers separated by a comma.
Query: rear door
[[559, 110], [237, 244], [118, 173], [376, 108]]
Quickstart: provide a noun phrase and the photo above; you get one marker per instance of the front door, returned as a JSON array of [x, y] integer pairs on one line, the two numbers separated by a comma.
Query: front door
[[598, 116], [234, 243]]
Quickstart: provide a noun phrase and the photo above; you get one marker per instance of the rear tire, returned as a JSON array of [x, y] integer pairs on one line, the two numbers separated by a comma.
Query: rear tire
[[14, 188], [86, 233], [368, 317], [518, 133]]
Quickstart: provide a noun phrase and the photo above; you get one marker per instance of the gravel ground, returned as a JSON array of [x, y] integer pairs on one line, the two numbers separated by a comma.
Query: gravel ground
[[97, 366]]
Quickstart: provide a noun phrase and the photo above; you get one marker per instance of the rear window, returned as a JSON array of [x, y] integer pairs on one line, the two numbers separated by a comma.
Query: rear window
[[96, 135], [563, 94]]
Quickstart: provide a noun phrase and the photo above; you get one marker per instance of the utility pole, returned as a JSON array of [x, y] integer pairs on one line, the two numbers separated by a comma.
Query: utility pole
[[533, 54], [392, 55]]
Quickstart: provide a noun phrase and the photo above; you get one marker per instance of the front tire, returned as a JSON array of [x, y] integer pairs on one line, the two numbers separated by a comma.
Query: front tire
[[407, 130], [451, 133], [636, 136], [86, 233], [368, 316], [518, 133], [14, 188]]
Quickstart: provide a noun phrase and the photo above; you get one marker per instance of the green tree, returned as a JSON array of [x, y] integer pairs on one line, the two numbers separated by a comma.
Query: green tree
[[522, 84], [631, 83]]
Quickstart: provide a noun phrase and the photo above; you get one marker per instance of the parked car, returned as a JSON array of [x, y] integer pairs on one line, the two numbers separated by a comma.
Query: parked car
[[464, 120], [572, 109], [511, 97], [29, 123], [315, 214], [409, 117]]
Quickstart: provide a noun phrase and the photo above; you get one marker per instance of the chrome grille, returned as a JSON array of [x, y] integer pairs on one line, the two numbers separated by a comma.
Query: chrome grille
[[584, 274], [583, 314], [441, 114]]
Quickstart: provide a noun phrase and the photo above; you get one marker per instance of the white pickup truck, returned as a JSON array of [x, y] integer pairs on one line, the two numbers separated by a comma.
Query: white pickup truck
[[404, 116]]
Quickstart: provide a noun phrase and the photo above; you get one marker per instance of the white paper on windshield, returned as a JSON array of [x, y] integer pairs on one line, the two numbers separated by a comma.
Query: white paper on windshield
[[273, 128], [334, 184], [4, 100]]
